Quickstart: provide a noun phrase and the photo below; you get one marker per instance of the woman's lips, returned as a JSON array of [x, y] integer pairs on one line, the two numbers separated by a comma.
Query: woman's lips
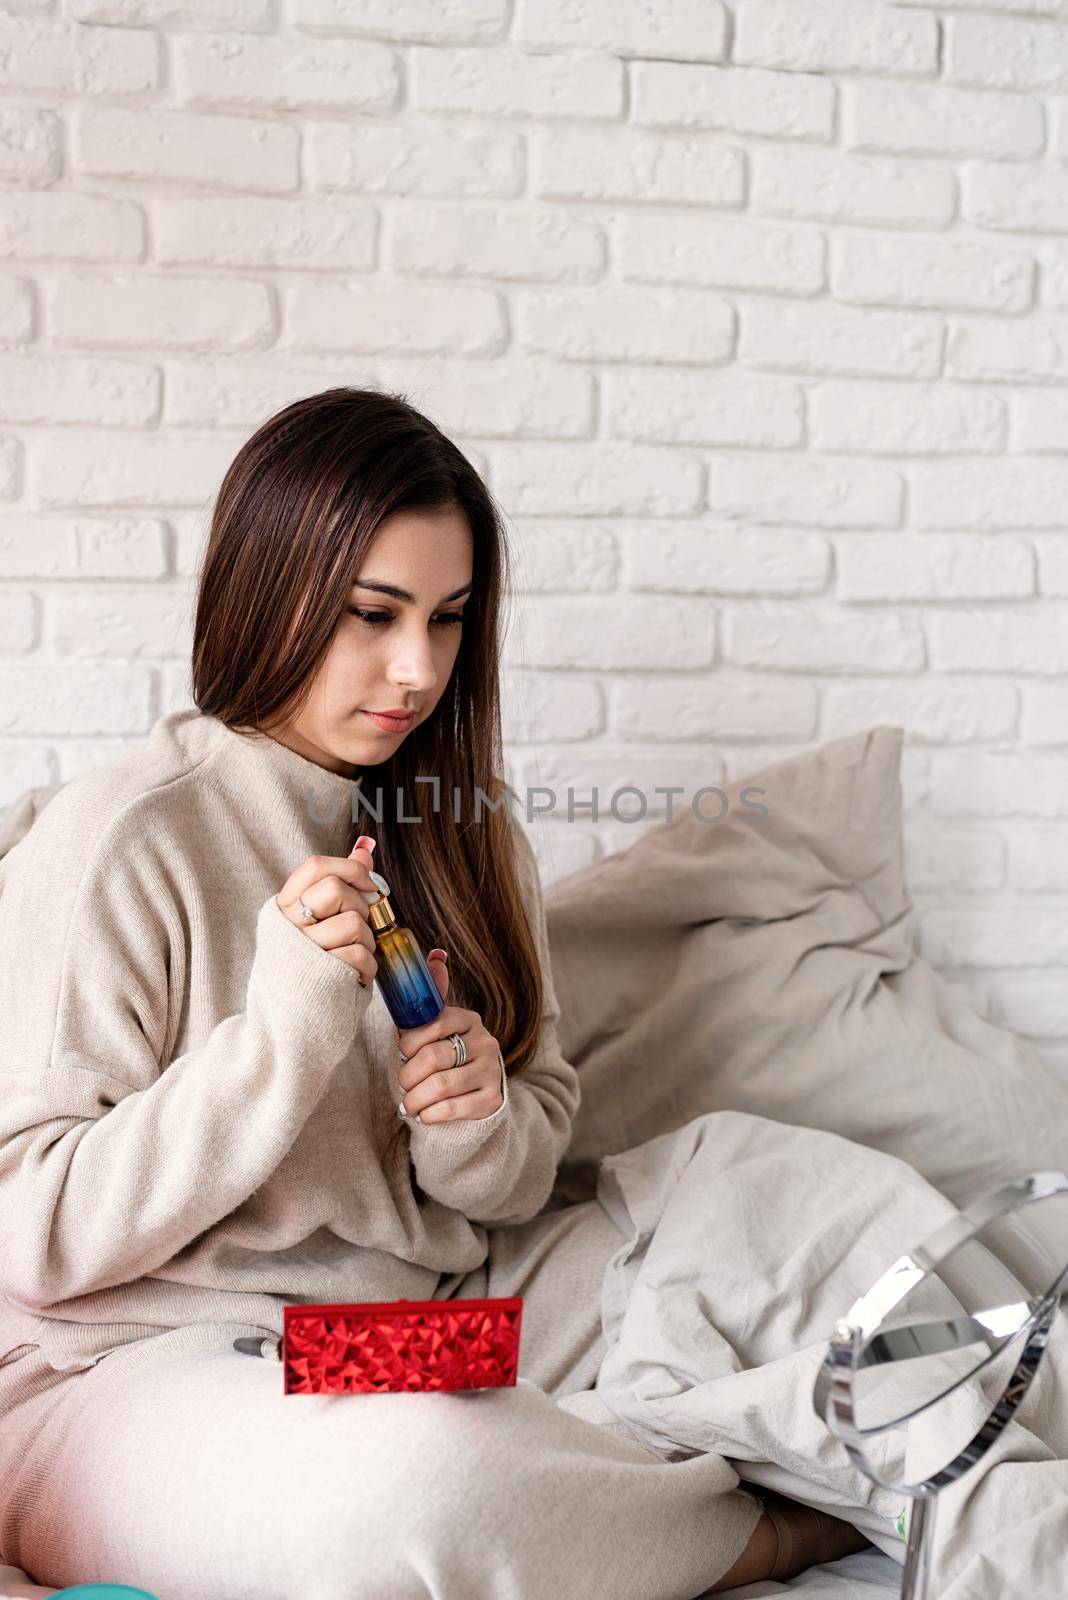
[[390, 724]]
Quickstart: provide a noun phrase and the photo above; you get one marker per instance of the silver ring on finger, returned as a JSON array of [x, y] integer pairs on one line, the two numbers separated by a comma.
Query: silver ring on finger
[[306, 912], [456, 1040]]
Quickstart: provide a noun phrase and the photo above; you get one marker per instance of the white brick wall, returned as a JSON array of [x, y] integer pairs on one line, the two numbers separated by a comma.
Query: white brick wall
[[754, 315]]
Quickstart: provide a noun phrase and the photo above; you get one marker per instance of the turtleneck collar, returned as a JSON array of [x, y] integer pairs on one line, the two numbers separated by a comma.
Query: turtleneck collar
[[278, 782]]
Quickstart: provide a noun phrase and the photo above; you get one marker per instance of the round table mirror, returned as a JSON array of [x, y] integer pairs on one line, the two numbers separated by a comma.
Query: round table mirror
[[925, 1370]]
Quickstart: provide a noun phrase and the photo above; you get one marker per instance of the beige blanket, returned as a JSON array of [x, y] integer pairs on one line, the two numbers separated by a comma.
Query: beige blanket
[[748, 1240]]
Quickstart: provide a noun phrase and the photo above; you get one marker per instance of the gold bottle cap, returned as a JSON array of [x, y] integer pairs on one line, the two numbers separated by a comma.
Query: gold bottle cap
[[379, 912]]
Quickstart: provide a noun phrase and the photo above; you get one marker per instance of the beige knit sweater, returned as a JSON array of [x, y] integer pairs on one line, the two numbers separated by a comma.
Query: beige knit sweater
[[194, 1097]]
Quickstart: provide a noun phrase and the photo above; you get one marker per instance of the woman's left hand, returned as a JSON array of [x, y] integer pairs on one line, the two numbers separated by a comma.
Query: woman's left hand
[[435, 1089]]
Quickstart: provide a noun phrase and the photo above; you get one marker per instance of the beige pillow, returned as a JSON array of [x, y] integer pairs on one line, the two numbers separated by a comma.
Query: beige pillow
[[769, 966]]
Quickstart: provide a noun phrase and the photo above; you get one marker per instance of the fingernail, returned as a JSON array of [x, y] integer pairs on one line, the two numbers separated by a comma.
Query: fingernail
[[364, 842], [442, 953], [401, 1111]]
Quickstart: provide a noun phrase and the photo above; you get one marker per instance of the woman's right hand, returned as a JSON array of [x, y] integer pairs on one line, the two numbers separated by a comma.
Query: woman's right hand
[[334, 888]]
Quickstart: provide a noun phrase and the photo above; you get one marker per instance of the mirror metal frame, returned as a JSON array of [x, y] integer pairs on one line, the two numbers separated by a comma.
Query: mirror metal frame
[[833, 1396]]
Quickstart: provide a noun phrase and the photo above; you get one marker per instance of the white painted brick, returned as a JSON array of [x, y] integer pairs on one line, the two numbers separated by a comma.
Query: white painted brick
[[1002, 937], [777, 105], [720, 558], [932, 273], [1038, 858], [408, 319], [223, 16], [931, 566], [744, 761], [35, 546], [609, 632], [189, 531], [1012, 783], [56, 389], [561, 556], [798, 638], [538, 245], [162, 147], [257, 232], [10, 468], [595, 480], [716, 707], [1045, 713], [619, 164], [905, 419], [537, 707], [953, 860], [687, 30], [1053, 275], [85, 469], [70, 227], [937, 711], [18, 621], [150, 621], [71, 58], [1024, 196], [243, 393], [1059, 137], [499, 400], [287, 73], [31, 148], [425, 161], [984, 639], [835, 340], [416, 22], [999, 52], [692, 408], [1053, 566], [847, 188], [831, 36], [120, 547], [1033, 351], [1030, 1003], [22, 767], [805, 491], [921, 119], [1009, 493], [611, 785], [177, 313], [626, 324], [723, 254], [503, 81], [16, 310], [1039, 421], [57, 697]]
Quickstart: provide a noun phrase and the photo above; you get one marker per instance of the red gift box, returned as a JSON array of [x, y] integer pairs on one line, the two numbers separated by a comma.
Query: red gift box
[[396, 1345]]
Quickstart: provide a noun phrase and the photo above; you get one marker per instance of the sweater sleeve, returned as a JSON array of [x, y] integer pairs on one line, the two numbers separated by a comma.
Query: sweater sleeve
[[502, 1168], [113, 1159]]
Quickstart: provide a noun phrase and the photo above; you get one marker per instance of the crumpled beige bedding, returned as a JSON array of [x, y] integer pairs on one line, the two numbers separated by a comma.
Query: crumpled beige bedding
[[747, 1240]]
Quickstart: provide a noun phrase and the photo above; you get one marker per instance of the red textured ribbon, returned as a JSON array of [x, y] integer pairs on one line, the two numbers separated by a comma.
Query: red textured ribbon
[[397, 1345]]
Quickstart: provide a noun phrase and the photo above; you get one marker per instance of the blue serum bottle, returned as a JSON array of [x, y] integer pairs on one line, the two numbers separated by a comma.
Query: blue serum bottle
[[406, 982]]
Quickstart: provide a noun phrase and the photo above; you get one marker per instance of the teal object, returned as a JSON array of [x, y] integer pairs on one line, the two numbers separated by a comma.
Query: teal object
[[106, 1591]]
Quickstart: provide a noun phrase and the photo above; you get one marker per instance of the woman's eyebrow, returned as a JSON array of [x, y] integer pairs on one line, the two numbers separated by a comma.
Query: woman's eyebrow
[[402, 594]]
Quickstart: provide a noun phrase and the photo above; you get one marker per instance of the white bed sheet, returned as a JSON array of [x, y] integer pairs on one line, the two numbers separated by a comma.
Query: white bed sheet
[[867, 1576]]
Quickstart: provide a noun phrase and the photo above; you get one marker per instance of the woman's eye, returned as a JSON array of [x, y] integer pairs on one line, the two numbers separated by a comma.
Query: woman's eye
[[376, 618]]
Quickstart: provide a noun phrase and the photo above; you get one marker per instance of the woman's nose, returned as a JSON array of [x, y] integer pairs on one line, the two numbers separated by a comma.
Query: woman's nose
[[413, 667]]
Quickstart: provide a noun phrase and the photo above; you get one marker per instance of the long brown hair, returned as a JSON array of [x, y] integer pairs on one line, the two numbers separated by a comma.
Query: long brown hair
[[296, 512]]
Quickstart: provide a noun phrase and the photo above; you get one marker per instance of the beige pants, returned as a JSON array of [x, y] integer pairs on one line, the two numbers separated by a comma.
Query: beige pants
[[189, 1473]]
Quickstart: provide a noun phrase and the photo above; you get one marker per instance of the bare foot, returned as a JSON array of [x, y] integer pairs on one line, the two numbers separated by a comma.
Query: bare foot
[[788, 1539]]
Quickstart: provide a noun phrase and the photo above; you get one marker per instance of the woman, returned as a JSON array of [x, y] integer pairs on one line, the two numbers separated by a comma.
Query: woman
[[206, 1112]]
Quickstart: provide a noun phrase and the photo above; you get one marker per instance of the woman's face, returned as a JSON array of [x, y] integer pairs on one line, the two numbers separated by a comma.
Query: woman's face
[[392, 650]]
